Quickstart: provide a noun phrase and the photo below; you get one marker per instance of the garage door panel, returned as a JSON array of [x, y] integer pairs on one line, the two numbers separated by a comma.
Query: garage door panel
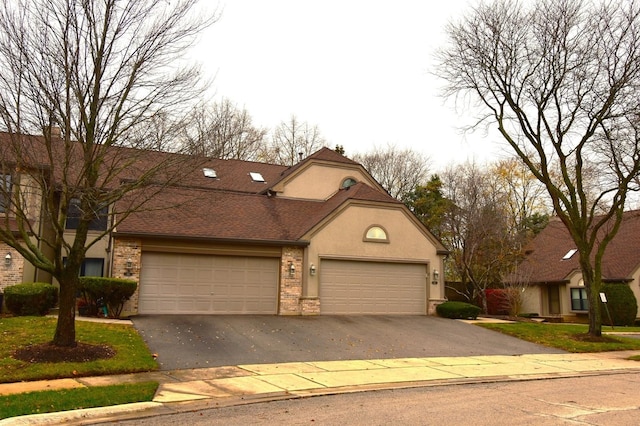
[[172, 283], [354, 287]]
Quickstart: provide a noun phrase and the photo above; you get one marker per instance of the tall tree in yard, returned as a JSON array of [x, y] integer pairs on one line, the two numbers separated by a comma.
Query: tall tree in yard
[[476, 230], [398, 170], [559, 80], [222, 130], [429, 205], [291, 141], [94, 78]]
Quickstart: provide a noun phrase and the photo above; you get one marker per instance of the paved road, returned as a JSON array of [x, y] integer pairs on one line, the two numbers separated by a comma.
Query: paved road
[[208, 341], [594, 400]]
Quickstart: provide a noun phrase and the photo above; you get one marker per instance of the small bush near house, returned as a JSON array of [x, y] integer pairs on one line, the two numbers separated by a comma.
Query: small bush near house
[[621, 303], [458, 310], [497, 301], [111, 292], [30, 298]]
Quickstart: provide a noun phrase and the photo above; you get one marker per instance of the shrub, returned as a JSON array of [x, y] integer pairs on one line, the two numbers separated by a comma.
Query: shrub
[[497, 303], [30, 298], [110, 292], [621, 303], [458, 310]]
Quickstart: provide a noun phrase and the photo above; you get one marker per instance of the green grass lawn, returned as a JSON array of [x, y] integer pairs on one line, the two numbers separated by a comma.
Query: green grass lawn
[[132, 354], [568, 337], [73, 399]]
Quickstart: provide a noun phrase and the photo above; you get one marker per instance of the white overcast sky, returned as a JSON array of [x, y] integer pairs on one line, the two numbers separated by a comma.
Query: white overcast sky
[[359, 70]]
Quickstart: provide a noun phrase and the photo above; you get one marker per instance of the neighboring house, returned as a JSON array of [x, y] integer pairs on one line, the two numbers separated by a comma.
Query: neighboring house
[[239, 237], [551, 273]]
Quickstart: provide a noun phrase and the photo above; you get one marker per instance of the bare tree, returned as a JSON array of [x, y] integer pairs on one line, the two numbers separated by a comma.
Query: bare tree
[[559, 79], [476, 231], [222, 130], [94, 78], [524, 196], [290, 141], [399, 171]]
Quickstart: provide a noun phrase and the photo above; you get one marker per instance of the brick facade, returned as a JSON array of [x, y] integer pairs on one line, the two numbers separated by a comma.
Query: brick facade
[[433, 304], [10, 274], [127, 250], [290, 284], [310, 305]]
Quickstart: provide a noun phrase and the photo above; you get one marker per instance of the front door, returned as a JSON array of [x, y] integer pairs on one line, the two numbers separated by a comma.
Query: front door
[[554, 299]]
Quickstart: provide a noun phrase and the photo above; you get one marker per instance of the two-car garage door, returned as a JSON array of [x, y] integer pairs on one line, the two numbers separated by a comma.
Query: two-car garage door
[[172, 283], [354, 287]]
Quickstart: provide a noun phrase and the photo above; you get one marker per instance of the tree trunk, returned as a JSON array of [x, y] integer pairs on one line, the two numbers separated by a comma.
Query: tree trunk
[[595, 313], [65, 334], [592, 285]]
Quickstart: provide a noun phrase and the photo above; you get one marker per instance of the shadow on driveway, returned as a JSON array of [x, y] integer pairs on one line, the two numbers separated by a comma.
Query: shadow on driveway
[[197, 341]]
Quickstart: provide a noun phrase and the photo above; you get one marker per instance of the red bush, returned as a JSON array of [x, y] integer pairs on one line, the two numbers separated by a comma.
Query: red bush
[[496, 301]]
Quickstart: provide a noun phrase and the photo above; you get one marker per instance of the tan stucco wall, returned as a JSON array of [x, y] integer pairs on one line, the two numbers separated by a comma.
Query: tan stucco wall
[[342, 238], [320, 181], [30, 193], [532, 300], [635, 287]]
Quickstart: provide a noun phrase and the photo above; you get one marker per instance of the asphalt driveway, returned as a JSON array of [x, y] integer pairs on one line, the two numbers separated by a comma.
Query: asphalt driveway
[[197, 341]]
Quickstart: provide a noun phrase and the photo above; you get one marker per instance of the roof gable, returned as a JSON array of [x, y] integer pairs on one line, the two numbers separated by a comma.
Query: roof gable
[[325, 170]]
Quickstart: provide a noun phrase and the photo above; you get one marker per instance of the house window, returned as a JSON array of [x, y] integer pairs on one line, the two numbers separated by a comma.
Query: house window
[[91, 267], [5, 191], [376, 234], [348, 182], [98, 223], [579, 301]]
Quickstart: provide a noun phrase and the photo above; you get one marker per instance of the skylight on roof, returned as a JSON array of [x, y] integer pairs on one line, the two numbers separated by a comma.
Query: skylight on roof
[[210, 173], [569, 254], [256, 177]]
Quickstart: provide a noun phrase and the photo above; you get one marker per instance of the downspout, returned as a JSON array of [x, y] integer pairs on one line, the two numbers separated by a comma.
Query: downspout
[[108, 249]]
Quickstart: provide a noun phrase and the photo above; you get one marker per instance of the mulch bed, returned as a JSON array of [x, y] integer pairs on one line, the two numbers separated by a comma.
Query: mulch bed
[[47, 352]]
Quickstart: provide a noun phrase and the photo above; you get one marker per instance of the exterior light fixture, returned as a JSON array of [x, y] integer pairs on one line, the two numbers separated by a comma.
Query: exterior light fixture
[[292, 269], [435, 277], [312, 269], [7, 260], [129, 267]]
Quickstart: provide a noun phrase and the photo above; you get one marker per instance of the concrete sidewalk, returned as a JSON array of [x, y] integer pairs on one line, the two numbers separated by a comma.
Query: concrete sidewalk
[[189, 390]]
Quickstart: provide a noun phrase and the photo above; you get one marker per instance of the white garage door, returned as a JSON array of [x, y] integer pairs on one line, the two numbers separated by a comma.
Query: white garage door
[[203, 284], [350, 287]]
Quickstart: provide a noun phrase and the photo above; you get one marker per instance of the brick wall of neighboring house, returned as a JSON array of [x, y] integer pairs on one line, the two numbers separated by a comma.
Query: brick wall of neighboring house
[[13, 273], [125, 249], [290, 285]]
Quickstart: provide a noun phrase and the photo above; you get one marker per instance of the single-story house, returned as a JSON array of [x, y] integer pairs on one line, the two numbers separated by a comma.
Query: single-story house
[[241, 237], [551, 275]]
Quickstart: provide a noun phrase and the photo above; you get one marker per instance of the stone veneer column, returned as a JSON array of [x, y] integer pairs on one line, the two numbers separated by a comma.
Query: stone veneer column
[[123, 250], [310, 305], [12, 274], [290, 286]]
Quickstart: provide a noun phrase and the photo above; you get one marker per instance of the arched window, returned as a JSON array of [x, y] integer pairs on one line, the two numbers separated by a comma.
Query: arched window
[[348, 182], [376, 233]]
